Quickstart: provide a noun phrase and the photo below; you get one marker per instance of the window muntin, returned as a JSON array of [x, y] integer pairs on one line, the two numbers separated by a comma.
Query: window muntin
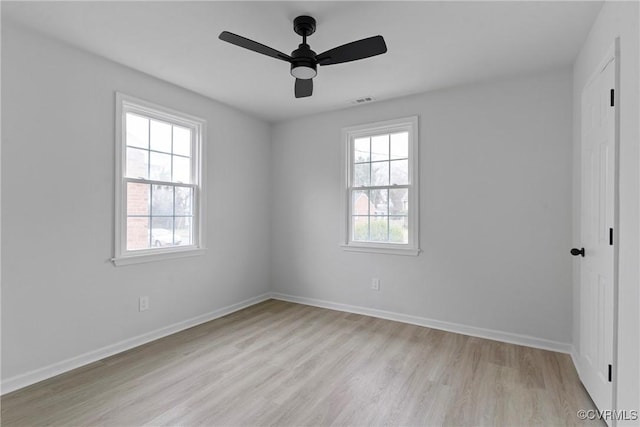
[[159, 180], [381, 186]]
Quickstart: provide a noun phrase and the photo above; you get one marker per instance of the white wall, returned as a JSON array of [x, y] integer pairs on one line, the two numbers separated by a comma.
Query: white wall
[[617, 19], [61, 297], [495, 209]]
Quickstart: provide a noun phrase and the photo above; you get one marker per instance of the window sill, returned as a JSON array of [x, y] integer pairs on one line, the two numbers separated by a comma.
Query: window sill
[[381, 250], [151, 257]]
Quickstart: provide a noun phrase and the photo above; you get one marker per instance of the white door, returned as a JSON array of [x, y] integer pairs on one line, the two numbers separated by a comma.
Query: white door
[[597, 266]]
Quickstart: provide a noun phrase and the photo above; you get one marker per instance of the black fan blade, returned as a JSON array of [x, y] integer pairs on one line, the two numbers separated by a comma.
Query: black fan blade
[[254, 46], [360, 49], [303, 88]]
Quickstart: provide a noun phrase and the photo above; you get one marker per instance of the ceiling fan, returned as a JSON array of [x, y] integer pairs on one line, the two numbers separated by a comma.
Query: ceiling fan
[[303, 60]]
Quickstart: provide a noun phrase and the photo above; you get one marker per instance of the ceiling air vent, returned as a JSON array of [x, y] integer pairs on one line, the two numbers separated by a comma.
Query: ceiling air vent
[[363, 100]]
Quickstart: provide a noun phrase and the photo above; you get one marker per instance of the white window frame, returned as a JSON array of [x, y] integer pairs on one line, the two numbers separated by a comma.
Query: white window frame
[[349, 134], [129, 104]]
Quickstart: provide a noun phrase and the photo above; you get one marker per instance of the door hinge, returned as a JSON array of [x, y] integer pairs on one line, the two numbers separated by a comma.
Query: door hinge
[[611, 236], [612, 97], [610, 372]]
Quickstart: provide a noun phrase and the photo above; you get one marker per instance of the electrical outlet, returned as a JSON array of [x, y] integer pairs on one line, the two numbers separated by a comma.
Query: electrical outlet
[[375, 284], [143, 304]]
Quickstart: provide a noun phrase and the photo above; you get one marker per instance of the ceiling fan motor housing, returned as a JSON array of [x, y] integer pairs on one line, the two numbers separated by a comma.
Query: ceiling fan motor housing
[[304, 64]]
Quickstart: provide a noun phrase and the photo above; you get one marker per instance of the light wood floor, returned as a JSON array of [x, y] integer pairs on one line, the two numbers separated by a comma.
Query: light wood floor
[[279, 363]]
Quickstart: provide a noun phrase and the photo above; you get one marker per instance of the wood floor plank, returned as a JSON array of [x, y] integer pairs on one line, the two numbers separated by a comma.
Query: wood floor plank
[[284, 364]]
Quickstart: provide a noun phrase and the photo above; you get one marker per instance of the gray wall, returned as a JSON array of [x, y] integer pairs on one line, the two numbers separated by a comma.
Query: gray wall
[[61, 297], [617, 19], [495, 209]]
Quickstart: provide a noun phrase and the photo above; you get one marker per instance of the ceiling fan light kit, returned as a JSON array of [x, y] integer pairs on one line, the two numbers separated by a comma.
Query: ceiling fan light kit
[[304, 61]]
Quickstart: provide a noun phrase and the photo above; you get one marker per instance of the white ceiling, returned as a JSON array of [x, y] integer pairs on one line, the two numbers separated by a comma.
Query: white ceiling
[[431, 45]]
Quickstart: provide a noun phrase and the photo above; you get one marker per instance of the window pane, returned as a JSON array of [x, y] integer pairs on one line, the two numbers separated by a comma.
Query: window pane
[[160, 166], [160, 136], [162, 200], [137, 131], [160, 180], [181, 141], [360, 228], [183, 201], [361, 173], [361, 150], [137, 163], [379, 204], [399, 172], [137, 199], [162, 231], [379, 230], [184, 231], [399, 229], [360, 202], [380, 173], [380, 147], [399, 201], [137, 233], [181, 169], [400, 145]]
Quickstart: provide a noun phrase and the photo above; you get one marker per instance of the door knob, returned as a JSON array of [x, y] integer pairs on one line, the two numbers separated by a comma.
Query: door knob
[[576, 251]]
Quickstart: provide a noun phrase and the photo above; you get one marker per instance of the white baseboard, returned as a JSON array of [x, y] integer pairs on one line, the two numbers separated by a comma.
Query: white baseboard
[[473, 331], [37, 375], [575, 358]]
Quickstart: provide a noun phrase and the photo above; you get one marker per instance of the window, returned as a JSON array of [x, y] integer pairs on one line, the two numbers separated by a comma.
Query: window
[[380, 187], [159, 176]]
